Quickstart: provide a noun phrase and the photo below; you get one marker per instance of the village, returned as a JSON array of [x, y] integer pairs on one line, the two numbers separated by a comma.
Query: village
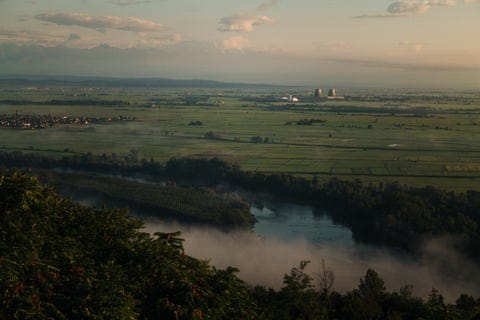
[[34, 122]]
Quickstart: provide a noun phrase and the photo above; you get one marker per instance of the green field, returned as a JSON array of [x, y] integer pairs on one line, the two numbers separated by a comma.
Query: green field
[[419, 139]]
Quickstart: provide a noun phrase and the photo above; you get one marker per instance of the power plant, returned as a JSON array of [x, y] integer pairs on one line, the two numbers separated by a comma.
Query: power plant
[[332, 92]]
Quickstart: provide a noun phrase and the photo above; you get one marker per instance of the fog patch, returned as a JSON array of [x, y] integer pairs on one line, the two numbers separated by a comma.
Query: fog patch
[[264, 260]]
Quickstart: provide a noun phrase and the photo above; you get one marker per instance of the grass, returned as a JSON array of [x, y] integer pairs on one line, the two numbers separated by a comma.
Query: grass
[[440, 148]]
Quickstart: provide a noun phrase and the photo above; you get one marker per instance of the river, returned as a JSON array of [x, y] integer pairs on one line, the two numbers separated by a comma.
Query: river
[[286, 234], [290, 222]]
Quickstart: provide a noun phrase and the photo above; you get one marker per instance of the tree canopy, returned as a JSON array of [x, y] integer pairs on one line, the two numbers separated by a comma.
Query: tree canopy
[[61, 260]]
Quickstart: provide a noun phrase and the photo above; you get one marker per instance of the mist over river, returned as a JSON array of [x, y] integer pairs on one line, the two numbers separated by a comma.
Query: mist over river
[[286, 234]]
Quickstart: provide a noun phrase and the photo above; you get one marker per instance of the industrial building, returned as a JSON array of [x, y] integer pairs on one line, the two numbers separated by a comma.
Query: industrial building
[[332, 95], [290, 98]]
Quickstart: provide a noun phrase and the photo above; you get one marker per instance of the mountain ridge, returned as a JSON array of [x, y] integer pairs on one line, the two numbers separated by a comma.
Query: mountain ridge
[[29, 80]]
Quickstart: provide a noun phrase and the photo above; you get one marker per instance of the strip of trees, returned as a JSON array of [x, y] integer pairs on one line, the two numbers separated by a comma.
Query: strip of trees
[[384, 214]]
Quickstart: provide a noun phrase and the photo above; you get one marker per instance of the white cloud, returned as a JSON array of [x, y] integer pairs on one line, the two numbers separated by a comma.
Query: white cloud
[[243, 22], [235, 43], [77, 37], [100, 23]]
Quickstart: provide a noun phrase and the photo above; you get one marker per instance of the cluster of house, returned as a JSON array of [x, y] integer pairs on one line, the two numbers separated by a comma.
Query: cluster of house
[[20, 121]]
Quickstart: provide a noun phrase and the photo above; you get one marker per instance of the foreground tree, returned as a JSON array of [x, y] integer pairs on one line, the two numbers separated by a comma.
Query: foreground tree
[[59, 260]]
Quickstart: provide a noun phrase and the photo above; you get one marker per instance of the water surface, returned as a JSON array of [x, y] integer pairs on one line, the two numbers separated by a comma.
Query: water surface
[[290, 221]]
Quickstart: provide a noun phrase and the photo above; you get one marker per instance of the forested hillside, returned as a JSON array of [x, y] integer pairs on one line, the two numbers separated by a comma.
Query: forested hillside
[[60, 260]]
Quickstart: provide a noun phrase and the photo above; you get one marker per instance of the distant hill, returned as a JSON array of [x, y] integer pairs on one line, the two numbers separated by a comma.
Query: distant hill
[[122, 82]]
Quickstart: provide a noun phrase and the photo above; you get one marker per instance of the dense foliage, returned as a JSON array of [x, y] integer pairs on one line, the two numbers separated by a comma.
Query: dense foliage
[[59, 260], [192, 204], [298, 299], [386, 214], [188, 204]]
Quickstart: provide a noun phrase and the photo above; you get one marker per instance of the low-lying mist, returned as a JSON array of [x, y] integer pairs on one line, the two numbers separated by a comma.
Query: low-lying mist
[[264, 261]]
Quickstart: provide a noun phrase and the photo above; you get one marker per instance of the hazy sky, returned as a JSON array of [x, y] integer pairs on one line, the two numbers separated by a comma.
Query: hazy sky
[[336, 42]]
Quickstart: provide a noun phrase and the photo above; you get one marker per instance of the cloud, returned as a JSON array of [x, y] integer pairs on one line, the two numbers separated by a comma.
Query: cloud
[[235, 43], [267, 5], [158, 41], [471, 1], [73, 37], [51, 39], [102, 22], [405, 8], [243, 22], [417, 7], [28, 37], [87, 38]]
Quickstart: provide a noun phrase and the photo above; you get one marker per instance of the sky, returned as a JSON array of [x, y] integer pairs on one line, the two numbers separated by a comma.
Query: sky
[[405, 43]]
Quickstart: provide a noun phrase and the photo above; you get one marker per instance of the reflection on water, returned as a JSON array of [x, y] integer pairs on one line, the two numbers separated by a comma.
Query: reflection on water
[[287, 233], [289, 221]]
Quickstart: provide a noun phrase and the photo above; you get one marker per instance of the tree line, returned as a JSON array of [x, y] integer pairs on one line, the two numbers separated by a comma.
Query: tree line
[[192, 204], [60, 260], [390, 214]]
